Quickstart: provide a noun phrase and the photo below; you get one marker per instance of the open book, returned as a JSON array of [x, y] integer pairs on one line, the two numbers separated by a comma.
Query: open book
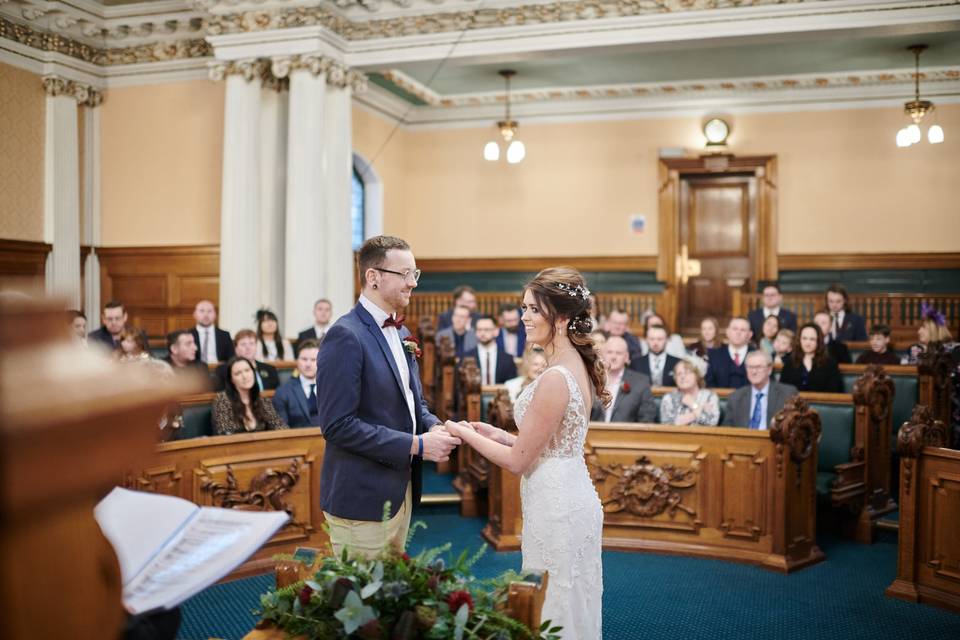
[[170, 549]]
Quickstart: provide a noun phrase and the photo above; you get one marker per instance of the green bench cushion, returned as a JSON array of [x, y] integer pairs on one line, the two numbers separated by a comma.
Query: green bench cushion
[[836, 437], [197, 421], [906, 395], [825, 482]]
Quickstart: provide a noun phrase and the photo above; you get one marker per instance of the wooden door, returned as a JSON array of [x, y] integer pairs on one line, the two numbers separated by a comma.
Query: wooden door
[[718, 228]]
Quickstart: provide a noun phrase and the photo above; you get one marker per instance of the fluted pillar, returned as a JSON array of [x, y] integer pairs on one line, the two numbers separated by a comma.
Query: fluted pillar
[[90, 233], [62, 187], [240, 194], [303, 258], [273, 187]]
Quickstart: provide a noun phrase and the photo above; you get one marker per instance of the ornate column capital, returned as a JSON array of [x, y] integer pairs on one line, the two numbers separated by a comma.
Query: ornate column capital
[[337, 74], [84, 94], [249, 70]]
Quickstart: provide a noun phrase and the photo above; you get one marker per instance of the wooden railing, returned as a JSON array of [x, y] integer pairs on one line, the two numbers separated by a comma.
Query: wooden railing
[[901, 311]]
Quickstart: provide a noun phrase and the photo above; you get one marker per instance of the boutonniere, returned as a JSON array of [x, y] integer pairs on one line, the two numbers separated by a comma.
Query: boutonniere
[[412, 345], [625, 387]]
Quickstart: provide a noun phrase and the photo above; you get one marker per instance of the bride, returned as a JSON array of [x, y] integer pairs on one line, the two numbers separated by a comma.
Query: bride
[[562, 515]]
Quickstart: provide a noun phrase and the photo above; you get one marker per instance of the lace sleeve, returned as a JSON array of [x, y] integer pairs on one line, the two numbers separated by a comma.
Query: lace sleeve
[[710, 412]]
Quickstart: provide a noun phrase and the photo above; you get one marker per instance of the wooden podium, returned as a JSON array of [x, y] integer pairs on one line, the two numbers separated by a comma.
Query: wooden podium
[[71, 423]]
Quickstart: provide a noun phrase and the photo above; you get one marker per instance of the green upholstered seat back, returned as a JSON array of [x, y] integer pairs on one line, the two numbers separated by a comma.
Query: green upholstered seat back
[[197, 421], [485, 399], [837, 431], [906, 390], [284, 374]]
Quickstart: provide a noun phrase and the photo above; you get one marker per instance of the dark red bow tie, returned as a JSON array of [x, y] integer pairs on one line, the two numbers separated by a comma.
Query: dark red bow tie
[[390, 322]]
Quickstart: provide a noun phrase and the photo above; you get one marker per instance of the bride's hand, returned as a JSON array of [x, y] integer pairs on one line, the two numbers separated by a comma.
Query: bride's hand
[[457, 428], [486, 430]]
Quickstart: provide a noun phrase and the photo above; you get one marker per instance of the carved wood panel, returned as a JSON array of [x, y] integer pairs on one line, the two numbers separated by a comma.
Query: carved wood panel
[[743, 495], [165, 480], [943, 524]]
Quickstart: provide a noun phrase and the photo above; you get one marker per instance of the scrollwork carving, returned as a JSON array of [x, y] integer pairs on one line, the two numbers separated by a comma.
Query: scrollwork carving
[[935, 363], [875, 390], [796, 430], [922, 430], [500, 411], [249, 70], [267, 490], [644, 489]]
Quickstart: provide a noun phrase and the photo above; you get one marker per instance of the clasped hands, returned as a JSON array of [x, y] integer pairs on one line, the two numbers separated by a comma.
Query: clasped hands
[[490, 432]]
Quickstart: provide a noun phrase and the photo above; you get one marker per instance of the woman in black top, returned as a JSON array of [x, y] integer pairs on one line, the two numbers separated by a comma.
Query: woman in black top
[[809, 367]]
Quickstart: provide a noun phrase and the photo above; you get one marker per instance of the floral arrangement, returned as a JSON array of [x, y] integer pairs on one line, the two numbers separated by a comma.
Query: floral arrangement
[[398, 597]]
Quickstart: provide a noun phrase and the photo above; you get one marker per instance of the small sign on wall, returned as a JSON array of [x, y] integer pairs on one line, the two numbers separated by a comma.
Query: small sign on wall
[[638, 224]]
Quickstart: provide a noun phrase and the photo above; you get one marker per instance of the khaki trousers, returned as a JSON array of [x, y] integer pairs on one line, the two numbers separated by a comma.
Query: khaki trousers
[[366, 538]]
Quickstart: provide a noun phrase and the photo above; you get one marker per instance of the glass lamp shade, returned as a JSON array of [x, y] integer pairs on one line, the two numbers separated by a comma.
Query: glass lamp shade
[[516, 152], [903, 138], [935, 134], [914, 131], [491, 151]]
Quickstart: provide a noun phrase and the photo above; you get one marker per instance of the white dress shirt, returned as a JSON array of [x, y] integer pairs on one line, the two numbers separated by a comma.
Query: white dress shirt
[[207, 349], [396, 348], [613, 386], [488, 363], [320, 330], [306, 384], [771, 312], [734, 352], [510, 341]]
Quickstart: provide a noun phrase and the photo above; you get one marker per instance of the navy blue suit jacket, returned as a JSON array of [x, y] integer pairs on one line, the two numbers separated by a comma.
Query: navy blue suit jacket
[[521, 340], [853, 329], [788, 320], [506, 367], [292, 406], [365, 420], [722, 373], [643, 366]]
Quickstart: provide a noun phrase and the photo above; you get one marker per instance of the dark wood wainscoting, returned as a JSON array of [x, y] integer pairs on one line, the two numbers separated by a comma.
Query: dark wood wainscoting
[[160, 285], [23, 264]]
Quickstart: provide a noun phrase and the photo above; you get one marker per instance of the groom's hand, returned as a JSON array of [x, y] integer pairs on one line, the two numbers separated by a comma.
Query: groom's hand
[[438, 444]]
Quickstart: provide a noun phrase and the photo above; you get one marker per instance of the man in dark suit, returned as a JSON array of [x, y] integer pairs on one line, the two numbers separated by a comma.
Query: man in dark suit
[[114, 321], [463, 296], [632, 400], [322, 313], [772, 300], [496, 365], [375, 422], [296, 399], [512, 337], [183, 354], [837, 350], [245, 345], [464, 338], [657, 365], [214, 344], [755, 405], [727, 363], [846, 325], [618, 324]]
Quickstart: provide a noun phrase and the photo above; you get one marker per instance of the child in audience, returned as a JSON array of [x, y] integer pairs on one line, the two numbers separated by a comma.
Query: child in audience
[[768, 333], [783, 345], [132, 345], [880, 350]]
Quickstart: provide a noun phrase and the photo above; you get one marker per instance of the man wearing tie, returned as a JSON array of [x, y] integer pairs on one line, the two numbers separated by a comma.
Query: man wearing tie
[[496, 366], [755, 405], [322, 313], [726, 368], [630, 397], [657, 365], [846, 326], [772, 306], [296, 399], [214, 344]]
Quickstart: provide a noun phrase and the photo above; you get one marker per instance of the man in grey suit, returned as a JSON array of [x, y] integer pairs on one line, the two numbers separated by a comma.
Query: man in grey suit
[[755, 405], [463, 338], [632, 400]]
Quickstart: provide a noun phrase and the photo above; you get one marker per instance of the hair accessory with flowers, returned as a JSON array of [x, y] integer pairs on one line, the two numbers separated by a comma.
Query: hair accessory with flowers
[[578, 291], [929, 312], [412, 345]]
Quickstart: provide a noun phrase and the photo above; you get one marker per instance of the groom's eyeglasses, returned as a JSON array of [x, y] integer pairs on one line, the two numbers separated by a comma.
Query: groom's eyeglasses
[[406, 275]]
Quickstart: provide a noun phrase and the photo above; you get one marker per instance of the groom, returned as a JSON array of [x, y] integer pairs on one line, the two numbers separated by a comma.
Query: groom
[[371, 409]]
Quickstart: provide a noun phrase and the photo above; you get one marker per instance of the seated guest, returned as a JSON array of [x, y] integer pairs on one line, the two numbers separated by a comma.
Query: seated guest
[[726, 368], [183, 353], [768, 333], [690, 404], [618, 324], [245, 344], [630, 397], [463, 337], [496, 366], [709, 338], [531, 366], [837, 350], [880, 350], [783, 345], [78, 325], [322, 314], [463, 296], [214, 343], [755, 405], [810, 367], [239, 407], [599, 338], [132, 346], [932, 330], [845, 325], [772, 300], [271, 345], [114, 319], [657, 365], [674, 347], [512, 337], [296, 399]]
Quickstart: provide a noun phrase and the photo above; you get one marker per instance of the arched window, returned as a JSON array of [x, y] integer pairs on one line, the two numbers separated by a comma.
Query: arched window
[[357, 210]]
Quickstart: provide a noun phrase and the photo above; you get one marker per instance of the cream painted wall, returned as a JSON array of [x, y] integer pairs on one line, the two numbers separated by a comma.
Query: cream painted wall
[[161, 164], [22, 111], [372, 140], [844, 186]]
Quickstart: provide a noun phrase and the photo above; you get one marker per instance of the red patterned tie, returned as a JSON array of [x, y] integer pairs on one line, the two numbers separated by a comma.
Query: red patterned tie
[[391, 322], [736, 358]]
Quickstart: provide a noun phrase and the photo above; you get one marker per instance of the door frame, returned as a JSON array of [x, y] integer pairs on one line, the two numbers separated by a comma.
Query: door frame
[[670, 170]]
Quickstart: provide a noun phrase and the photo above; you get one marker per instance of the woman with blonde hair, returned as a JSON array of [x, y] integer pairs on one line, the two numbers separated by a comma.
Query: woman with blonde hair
[[932, 330], [691, 403], [531, 366]]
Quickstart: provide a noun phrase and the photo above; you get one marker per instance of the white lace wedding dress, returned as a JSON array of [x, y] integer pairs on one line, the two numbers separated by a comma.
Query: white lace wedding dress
[[563, 520]]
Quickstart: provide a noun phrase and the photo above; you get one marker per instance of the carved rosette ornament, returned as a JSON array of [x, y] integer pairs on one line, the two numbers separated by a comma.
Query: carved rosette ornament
[[922, 430], [796, 429], [875, 390], [644, 489]]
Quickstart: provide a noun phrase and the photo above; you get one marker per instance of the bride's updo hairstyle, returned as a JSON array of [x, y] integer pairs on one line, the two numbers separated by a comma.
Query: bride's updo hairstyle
[[560, 292]]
